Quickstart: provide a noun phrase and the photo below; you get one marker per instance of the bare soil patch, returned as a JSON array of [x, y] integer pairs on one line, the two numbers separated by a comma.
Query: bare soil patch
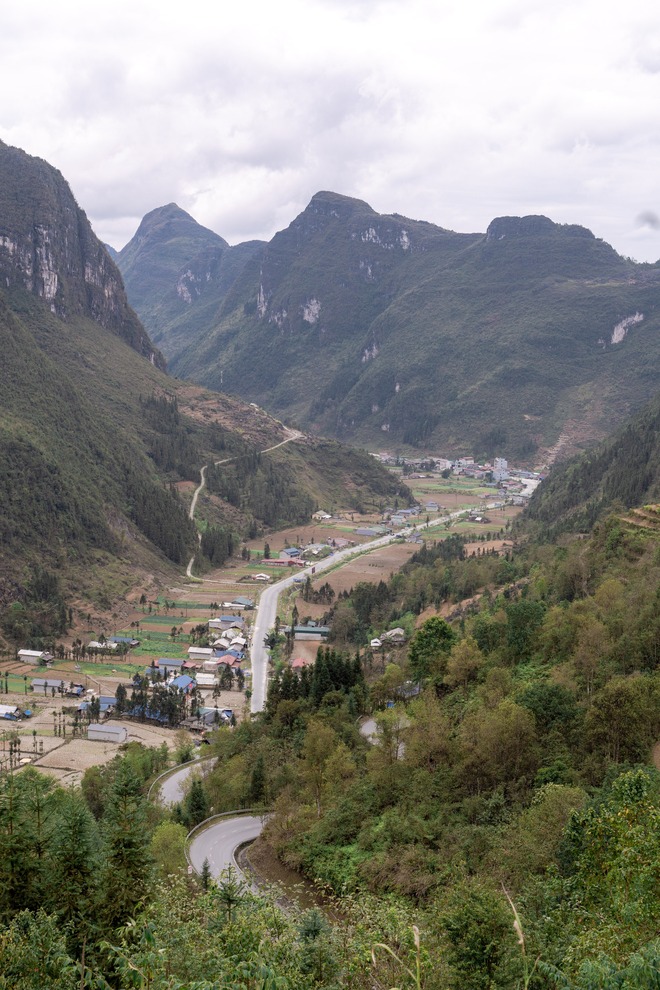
[[501, 546], [305, 649], [380, 565]]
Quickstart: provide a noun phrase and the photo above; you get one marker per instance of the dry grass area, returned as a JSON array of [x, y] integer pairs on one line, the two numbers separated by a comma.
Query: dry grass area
[[380, 565], [306, 649], [501, 546], [66, 760]]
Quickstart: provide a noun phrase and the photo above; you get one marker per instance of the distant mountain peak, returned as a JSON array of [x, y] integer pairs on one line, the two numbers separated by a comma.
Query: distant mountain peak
[[170, 221], [336, 204], [532, 226]]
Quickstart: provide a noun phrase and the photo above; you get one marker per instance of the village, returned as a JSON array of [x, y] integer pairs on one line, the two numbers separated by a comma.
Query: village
[[182, 661]]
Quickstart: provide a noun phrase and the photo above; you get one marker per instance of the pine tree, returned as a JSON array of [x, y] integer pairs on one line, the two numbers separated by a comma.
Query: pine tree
[[257, 792], [205, 876], [196, 805], [73, 870], [127, 862]]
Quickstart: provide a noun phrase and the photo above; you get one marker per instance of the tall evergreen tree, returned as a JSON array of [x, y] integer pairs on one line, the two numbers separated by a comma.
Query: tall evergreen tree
[[126, 869], [74, 870]]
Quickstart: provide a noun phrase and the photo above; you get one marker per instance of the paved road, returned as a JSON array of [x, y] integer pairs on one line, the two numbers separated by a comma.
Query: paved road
[[173, 788], [218, 843], [291, 435], [266, 611]]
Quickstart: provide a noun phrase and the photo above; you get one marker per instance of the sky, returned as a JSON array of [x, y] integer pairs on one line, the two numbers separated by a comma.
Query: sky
[[451, 112]]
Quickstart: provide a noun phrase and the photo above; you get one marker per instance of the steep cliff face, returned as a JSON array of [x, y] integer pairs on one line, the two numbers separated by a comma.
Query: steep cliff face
[[357, 324], [48, 248], [177, 273]]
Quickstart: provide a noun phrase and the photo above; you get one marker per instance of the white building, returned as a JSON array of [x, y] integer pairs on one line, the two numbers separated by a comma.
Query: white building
[[500, 469], [34, 656], [107, 732]]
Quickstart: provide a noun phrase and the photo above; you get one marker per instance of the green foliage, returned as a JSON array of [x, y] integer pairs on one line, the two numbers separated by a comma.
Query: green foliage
[[625, 469], [479, 936], [126, 861], [351, 322], [430, 647], [33, 955]]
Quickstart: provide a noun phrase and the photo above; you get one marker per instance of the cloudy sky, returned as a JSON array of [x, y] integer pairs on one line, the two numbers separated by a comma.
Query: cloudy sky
[[453, 112]]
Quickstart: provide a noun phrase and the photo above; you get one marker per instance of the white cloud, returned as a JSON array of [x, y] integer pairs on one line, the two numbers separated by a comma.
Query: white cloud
[[447, 112]]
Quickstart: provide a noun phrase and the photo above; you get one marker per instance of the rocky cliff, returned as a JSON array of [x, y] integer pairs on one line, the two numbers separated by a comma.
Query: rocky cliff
[[48, 248]]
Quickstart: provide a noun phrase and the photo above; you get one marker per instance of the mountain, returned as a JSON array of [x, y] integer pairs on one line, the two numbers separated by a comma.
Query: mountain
[[48, 248], [177, 272], [532, 339], [622, 470], [99, 448]]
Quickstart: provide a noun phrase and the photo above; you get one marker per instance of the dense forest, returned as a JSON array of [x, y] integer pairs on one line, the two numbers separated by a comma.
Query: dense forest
[[499, 829], [518, 778]]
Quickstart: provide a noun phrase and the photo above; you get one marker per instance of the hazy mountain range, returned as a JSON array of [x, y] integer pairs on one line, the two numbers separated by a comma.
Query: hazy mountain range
[[532, 339]]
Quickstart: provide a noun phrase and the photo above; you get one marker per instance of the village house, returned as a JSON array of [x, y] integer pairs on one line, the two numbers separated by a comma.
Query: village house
[[183, 683], [11, 712], [107, 733], [35, 656], [227, 622], [47, 685], [169, 666], [200, 653], [240, 602], [396, 636]]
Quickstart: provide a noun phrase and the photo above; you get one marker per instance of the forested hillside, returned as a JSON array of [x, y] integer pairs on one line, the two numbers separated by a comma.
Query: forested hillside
[[623, 469], [531, 339], [524, 765]]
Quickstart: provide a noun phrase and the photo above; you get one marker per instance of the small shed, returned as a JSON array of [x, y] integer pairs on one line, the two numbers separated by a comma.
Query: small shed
[[46, 685], [200, 653], [34, 656], [107, 732]]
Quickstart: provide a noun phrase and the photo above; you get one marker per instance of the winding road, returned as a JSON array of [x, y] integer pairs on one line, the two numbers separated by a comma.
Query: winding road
[[292, 435], [173, 786], [218, 843]]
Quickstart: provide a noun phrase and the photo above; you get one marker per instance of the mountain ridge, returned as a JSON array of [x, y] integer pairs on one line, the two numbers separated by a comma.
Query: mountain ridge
[[98, 446], [380, 329], [48, 248]]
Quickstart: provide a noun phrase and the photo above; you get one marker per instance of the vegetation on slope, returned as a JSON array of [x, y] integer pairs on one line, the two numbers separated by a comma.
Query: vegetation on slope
[[362, 326], [177, 273], [524, 762], [623, 469]]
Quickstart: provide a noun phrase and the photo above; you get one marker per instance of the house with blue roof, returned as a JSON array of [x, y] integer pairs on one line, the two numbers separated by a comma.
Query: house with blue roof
[[183, 682]]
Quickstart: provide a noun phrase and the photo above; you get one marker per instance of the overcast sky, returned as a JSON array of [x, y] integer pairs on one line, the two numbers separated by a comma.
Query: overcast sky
[[453, 112]]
